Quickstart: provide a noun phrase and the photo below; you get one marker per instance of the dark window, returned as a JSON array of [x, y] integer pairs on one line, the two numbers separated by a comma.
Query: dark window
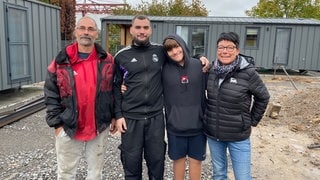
[[196, 38], [252, 37]]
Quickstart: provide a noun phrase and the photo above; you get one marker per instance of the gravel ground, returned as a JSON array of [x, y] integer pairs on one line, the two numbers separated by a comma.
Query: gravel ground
[[27, 147], [27, 152]]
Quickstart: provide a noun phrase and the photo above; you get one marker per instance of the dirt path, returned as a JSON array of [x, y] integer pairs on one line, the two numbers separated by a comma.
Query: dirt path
[[279, 146]]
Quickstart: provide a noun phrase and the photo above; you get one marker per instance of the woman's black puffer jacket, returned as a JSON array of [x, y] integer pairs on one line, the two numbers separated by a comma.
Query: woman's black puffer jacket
[[236, 103]]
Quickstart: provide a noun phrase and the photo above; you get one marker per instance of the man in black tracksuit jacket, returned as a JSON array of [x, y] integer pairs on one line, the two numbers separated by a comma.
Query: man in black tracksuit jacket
[[139, 110]]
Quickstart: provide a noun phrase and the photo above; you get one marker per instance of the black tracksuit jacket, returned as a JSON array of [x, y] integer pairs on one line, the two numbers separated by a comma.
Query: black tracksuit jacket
[[139, 67]]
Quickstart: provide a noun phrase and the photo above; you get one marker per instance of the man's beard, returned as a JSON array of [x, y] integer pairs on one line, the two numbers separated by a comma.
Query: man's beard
[[140, 43], [85, 41]]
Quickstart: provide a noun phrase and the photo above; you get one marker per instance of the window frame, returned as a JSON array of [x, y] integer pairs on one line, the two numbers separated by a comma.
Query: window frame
[[252, 39], [187, 32]]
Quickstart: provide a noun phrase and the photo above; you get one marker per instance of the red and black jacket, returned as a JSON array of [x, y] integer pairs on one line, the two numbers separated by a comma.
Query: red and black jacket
[[60, 96]]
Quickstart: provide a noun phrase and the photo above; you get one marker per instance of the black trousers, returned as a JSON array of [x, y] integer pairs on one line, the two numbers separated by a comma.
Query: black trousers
[[143, 138]]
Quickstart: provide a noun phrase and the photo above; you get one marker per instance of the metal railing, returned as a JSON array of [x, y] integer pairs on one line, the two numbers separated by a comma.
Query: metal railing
[[23, 111]]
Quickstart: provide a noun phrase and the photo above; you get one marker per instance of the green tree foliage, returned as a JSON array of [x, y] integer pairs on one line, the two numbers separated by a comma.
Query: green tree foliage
[[114, 39], [198, 9], [286, 9], [165, 8], [67, 16]]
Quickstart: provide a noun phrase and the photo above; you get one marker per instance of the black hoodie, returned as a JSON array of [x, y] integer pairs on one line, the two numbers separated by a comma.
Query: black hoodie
[[183, 93]]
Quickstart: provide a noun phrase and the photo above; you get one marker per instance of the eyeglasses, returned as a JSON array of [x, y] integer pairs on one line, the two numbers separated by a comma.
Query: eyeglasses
[[228, 48], [89, 29]]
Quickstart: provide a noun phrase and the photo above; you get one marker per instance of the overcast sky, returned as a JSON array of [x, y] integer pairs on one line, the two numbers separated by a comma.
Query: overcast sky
[[227, 8]]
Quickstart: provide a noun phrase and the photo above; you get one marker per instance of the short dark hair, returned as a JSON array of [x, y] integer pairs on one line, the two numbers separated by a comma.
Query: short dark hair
[[229, 36], [140, 17]]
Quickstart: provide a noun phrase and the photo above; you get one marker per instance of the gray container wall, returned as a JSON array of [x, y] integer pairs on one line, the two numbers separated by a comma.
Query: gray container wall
[[304, 49], [305, 46], [304, 52], [44, 37]]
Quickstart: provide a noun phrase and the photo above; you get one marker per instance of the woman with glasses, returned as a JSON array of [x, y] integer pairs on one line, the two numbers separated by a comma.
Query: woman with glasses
[[237, 99]]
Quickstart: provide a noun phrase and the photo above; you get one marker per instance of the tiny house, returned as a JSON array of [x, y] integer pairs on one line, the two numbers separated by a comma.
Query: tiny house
[[273, 42], [29, 38]]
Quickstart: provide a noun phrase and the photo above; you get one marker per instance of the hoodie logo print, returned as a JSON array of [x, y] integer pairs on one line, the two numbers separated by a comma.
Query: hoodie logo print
[[134, 60], [155, 58]]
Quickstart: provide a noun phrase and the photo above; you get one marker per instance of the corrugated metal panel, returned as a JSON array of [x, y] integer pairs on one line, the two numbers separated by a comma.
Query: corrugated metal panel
[[44, 39], [212, 19], [3, 67], [304, 47]]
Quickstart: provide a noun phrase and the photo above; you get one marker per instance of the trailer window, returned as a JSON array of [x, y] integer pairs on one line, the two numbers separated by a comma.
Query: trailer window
[[196, 38], [252, 37]]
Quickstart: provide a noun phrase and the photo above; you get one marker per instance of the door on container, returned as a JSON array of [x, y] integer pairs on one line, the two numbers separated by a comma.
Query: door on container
[[196, 38], [17, 43], [282, 46]]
